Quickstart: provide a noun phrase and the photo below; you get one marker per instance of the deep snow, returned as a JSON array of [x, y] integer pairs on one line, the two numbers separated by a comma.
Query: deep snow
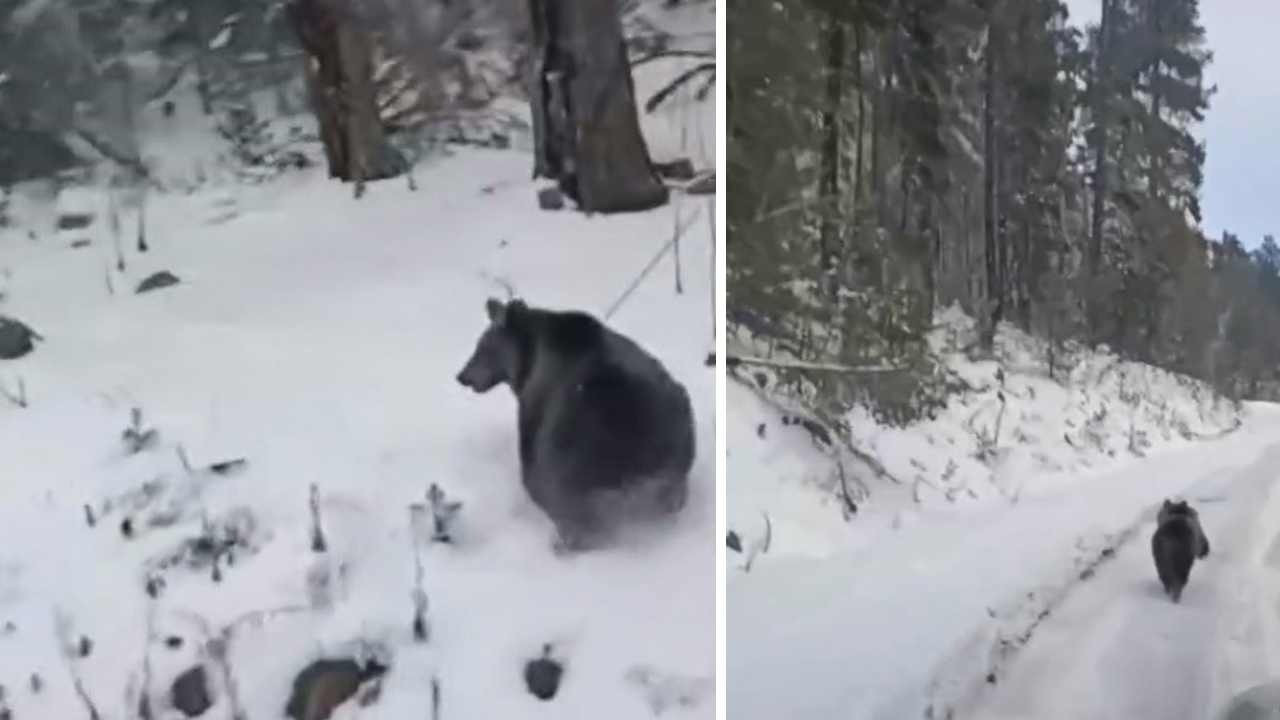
[[317, 336], [1013, 566]]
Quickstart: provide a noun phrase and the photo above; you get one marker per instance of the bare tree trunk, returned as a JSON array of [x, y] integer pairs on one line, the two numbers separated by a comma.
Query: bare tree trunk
[[338, 53], [830, 184], [586, 130], [992, 298], [1153, 10], [1100, 101], [877, 124], [862, 113]]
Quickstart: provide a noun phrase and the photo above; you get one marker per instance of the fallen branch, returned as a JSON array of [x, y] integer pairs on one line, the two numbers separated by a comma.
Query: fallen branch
[[660, 54], [660, 96], [866, 458], [850, 507], [815, 366]]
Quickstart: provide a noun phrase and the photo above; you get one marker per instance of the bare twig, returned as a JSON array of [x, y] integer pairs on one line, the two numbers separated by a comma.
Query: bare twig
[[317, 535], [661, 95], [850, 507], [661, 54], [435, 698], [675, 242], [761, 546], [419, 594], [142, 224], [217, 645], [144, 696], [62, 627], [652, 264], [182, 458]]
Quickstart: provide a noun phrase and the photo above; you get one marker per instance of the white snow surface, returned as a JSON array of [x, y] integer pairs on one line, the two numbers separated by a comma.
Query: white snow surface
[[318, 336], [1016, 585]]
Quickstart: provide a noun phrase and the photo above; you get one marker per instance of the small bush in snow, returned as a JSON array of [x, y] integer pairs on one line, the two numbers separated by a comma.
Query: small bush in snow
[[443, 514], [136, 437]]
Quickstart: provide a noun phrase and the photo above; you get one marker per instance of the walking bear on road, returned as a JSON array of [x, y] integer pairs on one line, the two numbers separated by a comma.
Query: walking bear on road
[[1176, 544], [606, 434]]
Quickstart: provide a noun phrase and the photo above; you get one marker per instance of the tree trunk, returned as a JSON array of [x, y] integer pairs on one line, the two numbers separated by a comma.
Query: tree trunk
[[1153, 9], [1100, 101], [339, 69], [876, 177], [862, 113], [830, 183], [586, 131], [992, 300]]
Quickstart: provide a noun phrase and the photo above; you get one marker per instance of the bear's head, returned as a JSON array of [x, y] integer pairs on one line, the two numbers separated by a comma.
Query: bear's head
[[497, 355]]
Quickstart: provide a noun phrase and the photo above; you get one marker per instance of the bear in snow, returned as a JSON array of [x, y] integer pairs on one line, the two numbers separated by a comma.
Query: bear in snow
[[606, 434], [1178, 541]]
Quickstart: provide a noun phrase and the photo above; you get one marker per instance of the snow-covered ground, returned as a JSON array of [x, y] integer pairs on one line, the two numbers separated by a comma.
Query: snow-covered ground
[[1005, 579], [317, 337]]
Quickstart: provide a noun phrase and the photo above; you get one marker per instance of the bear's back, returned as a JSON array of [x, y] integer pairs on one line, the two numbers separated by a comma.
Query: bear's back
[[613, 405]]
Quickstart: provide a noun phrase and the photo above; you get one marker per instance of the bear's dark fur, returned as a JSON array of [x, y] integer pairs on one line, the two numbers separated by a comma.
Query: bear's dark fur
[[1178, 541], [606, 434]]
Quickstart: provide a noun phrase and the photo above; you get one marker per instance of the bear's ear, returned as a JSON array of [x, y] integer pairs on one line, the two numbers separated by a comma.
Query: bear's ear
[[496, 310], [1167, 504]]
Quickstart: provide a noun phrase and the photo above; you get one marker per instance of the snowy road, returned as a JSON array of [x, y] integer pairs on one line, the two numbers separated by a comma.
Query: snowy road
[[1117, 648], [911, 622]]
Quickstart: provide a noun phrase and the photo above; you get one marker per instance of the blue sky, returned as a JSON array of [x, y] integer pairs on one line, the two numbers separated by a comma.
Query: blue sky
[[1242, 130]]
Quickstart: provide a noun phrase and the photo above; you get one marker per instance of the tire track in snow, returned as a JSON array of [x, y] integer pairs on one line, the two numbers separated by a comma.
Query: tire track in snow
[[1115, 647]]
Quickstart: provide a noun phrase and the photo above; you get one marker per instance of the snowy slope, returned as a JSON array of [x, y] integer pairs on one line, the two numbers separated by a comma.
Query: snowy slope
[[317, 337], [932, 590]]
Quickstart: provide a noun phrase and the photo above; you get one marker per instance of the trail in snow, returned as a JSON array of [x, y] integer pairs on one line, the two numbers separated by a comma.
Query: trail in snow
[[907, 620], [1118, 648]]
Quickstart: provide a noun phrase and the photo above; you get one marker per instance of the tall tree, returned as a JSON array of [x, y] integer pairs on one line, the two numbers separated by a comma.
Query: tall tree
[[336, 37], [587, 133]]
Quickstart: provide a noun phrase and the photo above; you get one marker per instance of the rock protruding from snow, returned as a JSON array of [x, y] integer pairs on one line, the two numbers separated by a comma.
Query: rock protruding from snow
[[190, 692], [550, 199], [156, 281], [542, 675], [680, 169], [325, 684], [15, 338]]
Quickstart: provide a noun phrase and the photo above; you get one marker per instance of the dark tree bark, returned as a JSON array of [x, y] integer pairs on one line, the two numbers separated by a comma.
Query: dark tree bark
[[993, 300], [857, 160], [586, 131], [339, 70], [830, 186], [1100, 101]]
